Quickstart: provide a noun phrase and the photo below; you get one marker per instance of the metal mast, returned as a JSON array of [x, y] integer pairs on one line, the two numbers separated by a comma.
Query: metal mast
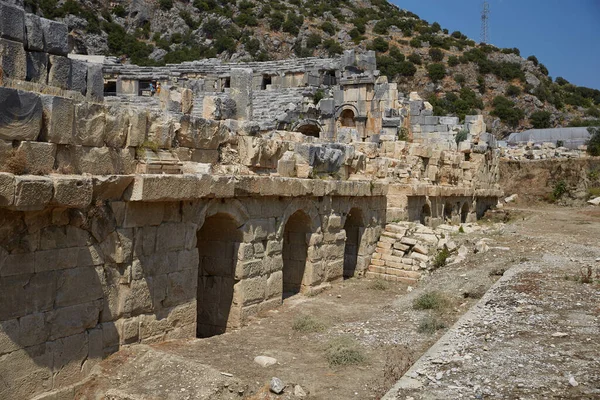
[[485, 16]]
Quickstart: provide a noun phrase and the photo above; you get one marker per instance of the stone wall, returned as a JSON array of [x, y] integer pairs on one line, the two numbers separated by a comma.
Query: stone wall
[[128, 262]]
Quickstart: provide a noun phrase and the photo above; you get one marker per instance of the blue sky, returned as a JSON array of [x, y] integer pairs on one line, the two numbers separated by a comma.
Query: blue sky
[[563, 34]]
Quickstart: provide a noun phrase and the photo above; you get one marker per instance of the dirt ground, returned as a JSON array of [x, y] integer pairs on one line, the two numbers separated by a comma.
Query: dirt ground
[[547, 247]]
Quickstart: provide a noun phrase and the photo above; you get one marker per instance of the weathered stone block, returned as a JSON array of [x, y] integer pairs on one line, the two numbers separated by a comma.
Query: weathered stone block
[[117, 125], [77, 286], [25, 372], [78, 76], [25, 294], [13, 59], [72, 192], [32, 192], [118, 246], [59, 114], [181, 287], [241, 93], [7, 189], [56, 259], [68, 355], [95, 83], [17, 264], [12, 22], [67, 321], [136, 133], [90, 123], [201, 133], [20, 115], [37, 67], [56, 37], [40, 157], [59, 74], [34, 33]]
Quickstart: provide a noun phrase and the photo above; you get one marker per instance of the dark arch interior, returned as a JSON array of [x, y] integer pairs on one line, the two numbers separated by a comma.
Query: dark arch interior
[[448, 211], [217, 244], [464, 212], [310, 130], [347, 119], [353, 225], [295, 248], [425, 214]]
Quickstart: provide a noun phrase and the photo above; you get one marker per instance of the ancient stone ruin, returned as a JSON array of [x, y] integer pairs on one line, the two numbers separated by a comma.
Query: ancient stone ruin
[[127, 217]]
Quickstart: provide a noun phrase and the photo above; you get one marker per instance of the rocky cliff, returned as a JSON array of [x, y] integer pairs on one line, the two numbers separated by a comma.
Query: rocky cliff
[[457, 75]]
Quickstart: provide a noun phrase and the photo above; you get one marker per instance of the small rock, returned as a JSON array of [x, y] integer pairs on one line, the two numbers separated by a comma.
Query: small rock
[[572, 381], [299, 392], [265, 361], [276, 386], [560, 334]]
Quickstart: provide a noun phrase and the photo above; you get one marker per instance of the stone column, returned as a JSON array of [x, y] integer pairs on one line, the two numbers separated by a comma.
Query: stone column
[[241, 92]]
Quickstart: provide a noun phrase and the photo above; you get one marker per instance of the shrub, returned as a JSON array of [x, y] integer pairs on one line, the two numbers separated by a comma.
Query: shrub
[[343, 351], [461, 137], [543, 69], [436, 55], [560, 188], [442, 256], [328, 28], [593, 112], [540, 119], [453, 61], [435, 27], [561, 81], [16, 163], [513, 90], [506, 111], [307, 324], [415, 58], [460, 79], [332, 47], [407, 68], [119, 11], [436, 72], [593, 145], [430, 301], [380, 45], [458, 35], [415, 43], [313, 40], [165, 4], [381, 27], [430, 325], [533, 59], [397, 54], [276, 20]]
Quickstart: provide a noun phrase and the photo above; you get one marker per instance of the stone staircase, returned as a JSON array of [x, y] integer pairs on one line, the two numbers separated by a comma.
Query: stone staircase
[[403, 252], [267, 104]]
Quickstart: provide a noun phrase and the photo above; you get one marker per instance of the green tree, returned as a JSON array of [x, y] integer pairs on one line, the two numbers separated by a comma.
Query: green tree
[[165, 4], [453, 61], [379, 44], [328, 28], [436, 55], [436, 72], [507, 111], [593, 145], [415, 59], [513, 90], [313, 40], [540, 119]]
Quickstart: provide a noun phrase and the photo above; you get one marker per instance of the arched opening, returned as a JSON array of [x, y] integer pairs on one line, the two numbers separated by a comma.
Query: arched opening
[[464, 212], [217, 244], [425, 214], [353, 225], [448, 211], [295, 248], [310, 130], [347, 119]]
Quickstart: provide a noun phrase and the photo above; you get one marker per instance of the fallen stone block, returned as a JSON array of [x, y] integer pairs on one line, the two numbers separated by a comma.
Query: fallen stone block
[[37, 67], [56, 37], [58, 117], [13, 59], [12, 22], [20, 115], [34, 33]]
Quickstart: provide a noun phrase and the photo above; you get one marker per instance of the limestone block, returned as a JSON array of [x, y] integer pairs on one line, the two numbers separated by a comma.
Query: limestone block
[[40, 156], [170, 237], [181, 287], [25, 294], [32, 330], [56, 37], [218, 108], [13, 59], [241, 92], [90, 123], [118, 246], [56, 259], [78, 76], [117, 126], [205, 156], [37, 67], [34, 33], [58, 117], [110, 187], [249, 291], [32, 192], [77, 286], [7, 189], [59, 74], [17, 264], [274, 285], [200, 133], [68, 356], [72, 191], [95, 83], [20, 115], [161, 130], [26, 371], [12, 22]]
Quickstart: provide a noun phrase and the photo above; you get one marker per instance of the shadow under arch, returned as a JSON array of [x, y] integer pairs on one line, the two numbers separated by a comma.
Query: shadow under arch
[[354, 225]]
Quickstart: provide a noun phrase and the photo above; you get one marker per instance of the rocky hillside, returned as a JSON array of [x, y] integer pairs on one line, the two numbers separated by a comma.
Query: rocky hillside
[[457, 75]]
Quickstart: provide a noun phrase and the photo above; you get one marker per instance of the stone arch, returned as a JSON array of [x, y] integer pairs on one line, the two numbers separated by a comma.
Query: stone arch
[[308, 127], [464, 212], [305, 205], [348, 119], [425, 214], [448, 211], [354, 226], [217, 241], [296, 237], [344, 107], [232, 207]]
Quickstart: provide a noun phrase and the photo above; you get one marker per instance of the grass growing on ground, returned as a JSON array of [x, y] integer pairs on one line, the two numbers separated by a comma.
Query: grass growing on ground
[[441, 258], [343, 351], [307, 324], [430, 301], [430, 325], [379, 284]]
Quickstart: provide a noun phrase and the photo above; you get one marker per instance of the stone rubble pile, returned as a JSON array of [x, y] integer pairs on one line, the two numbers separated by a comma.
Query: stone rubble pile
[[543, 151]]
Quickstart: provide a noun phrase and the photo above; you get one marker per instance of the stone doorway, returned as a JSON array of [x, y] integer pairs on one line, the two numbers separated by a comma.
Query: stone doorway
[[464, 212], [295, 248], [217, 249], [354, 229], [425, 214], [448, 212], [347, 119]]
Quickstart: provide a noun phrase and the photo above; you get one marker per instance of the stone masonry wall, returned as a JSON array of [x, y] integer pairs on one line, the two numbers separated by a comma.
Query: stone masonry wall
[[80, 279]]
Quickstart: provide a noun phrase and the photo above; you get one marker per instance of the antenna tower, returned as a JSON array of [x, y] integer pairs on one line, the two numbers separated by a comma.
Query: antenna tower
[[485, 16]]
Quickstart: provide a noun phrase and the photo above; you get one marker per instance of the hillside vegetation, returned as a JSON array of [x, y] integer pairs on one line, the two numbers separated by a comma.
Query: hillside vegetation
[[457, 75]]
